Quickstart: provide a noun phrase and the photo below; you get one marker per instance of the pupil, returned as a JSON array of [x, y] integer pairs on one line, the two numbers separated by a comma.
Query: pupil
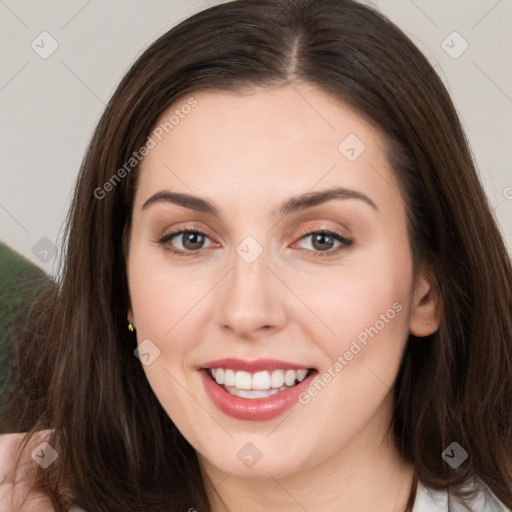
[[193, 239], [321, 239]]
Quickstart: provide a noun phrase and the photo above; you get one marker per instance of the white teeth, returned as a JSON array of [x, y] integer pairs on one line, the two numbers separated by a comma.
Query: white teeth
[[243, 380], [219, 375], [263, 381], [229, 378], [277, 378], [289, 377], [301, 375], [254, 393]]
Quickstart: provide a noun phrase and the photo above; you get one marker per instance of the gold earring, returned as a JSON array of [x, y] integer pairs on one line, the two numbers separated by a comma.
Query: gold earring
[[130, 327]]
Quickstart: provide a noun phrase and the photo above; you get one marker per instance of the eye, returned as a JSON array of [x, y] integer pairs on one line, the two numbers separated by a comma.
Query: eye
[[323, 241], [192, 241]]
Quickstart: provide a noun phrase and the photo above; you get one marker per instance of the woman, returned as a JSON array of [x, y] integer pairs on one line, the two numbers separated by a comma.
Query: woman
[[283, 288]]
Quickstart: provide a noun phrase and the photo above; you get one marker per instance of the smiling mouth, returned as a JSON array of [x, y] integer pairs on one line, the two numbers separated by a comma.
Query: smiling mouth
[[260, 384]]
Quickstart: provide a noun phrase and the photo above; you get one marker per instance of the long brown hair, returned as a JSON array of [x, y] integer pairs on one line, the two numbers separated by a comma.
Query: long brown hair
[[118, 448]]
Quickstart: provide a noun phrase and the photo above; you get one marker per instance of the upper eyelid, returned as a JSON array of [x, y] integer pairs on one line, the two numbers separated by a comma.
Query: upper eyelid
[[182, 231]]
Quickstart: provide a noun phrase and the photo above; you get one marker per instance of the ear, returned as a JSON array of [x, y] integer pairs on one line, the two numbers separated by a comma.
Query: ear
[[425, 313], [130, 315]]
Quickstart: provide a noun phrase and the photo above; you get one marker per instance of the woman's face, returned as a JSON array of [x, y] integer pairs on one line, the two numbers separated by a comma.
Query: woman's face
[[279, 278]]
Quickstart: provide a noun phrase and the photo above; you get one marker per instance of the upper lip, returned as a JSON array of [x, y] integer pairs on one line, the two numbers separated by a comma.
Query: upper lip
[[254, 365]]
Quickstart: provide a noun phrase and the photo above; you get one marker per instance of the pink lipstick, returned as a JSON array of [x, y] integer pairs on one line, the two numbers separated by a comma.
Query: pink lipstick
[[255, 390]]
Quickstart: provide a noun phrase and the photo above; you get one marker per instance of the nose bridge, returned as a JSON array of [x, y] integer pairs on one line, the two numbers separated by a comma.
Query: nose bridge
[[250, 297]]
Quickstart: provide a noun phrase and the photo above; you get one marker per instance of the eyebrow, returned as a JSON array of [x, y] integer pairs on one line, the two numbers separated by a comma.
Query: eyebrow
[[292, 205]]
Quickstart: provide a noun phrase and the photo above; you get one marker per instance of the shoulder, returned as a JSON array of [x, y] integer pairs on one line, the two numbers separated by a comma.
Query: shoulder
[[428, 500], [9, 445], [16, 477], [19, 485]]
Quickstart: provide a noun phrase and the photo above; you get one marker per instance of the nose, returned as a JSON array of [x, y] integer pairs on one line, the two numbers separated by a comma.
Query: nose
[[252, 299]]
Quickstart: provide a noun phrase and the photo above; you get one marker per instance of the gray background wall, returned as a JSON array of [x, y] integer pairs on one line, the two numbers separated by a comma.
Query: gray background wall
[[50, 103]]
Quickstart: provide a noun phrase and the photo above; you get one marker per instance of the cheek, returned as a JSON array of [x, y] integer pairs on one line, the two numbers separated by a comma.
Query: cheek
[[166, 302], [367, 313], [354, 302], [161, 295], [163, 300]]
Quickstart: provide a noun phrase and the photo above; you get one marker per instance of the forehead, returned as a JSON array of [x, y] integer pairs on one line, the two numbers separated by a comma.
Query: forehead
[[291, 138]]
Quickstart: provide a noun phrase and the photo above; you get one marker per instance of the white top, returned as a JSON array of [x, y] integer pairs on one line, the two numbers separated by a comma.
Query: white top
[[428, 500]]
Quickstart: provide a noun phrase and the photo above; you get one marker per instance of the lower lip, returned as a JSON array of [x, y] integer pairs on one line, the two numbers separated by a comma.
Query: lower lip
[[253, 409]]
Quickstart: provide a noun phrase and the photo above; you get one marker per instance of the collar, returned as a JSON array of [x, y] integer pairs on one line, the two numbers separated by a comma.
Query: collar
[[429, 500]]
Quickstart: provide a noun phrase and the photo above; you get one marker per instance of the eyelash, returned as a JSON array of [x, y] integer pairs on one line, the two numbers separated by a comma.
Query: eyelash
[[345, 242]]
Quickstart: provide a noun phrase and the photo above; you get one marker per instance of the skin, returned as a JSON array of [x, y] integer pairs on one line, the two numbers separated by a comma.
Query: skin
[[18, 492], [246, 154], [14, 488]]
